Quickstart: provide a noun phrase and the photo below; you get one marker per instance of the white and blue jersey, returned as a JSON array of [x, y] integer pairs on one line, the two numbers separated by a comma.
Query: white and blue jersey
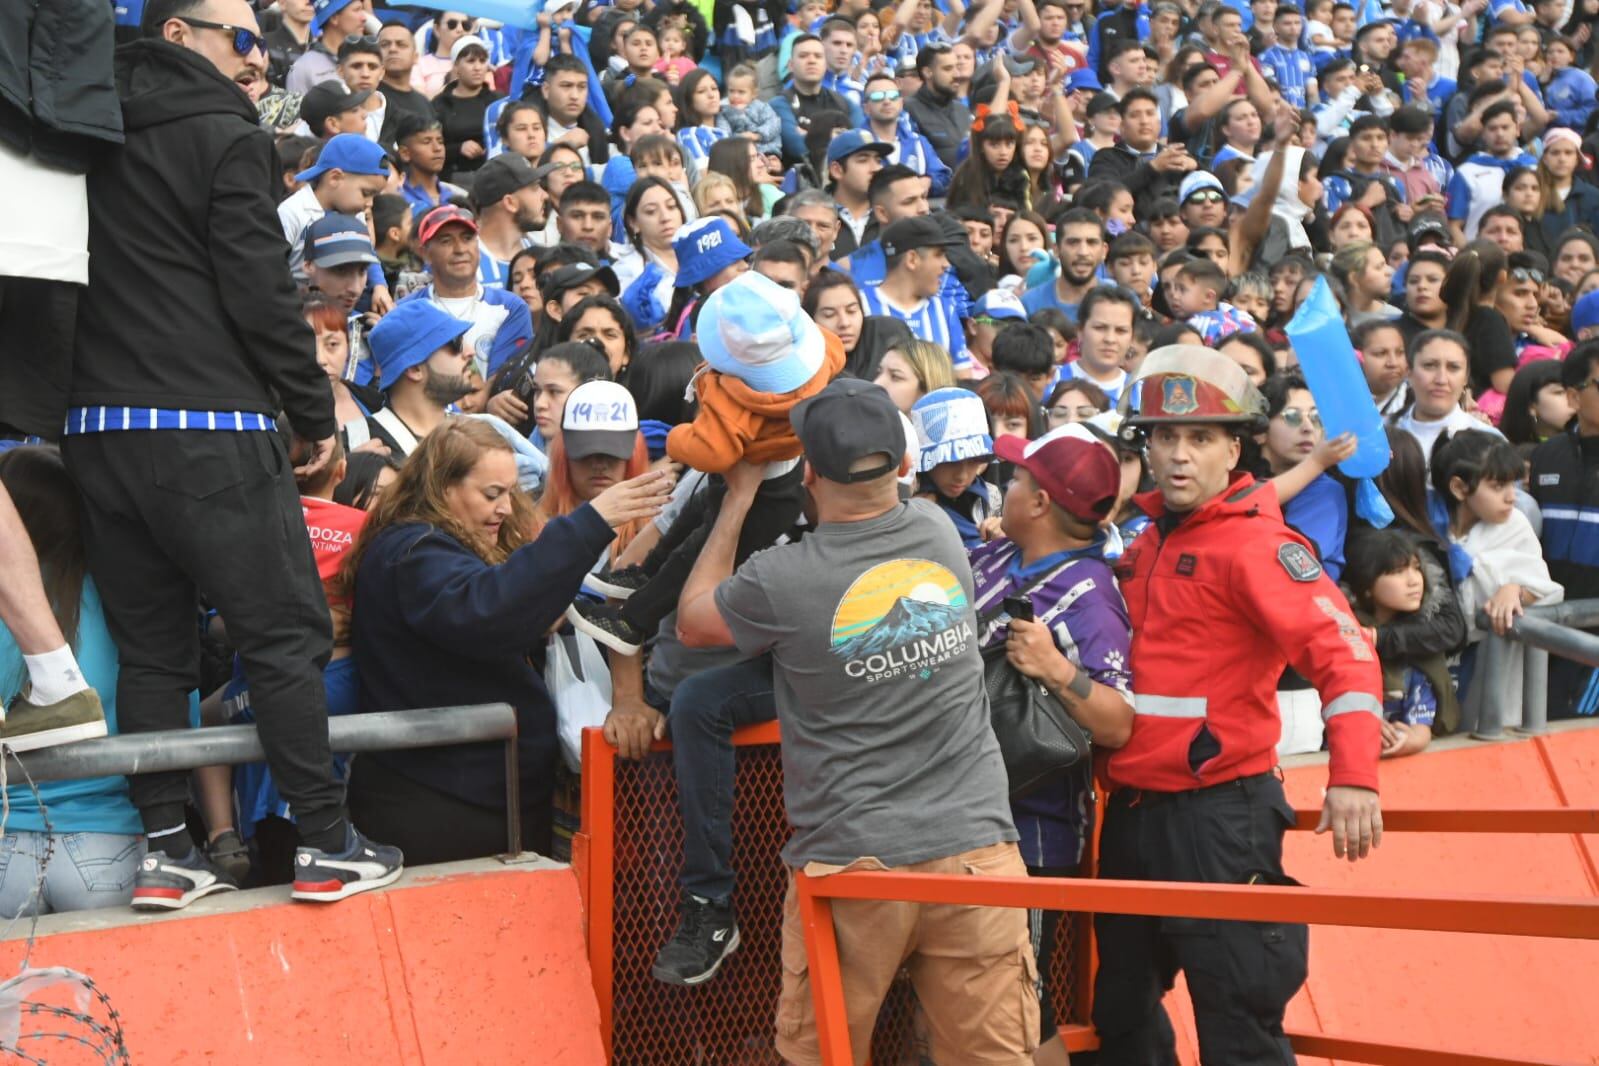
[[845, 86], [697, 140], [1338, 189], [1478, 184], [1497, 8], [1415, 704], [1294, 71], [934, 319], [1570, 96], [915, 151], [1437, 95]]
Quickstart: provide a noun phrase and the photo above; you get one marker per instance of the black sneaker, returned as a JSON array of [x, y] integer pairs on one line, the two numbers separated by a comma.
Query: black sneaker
[[230, 854], [706, 936], [605, 624], [164, 883], [326, 876], [618, 584]]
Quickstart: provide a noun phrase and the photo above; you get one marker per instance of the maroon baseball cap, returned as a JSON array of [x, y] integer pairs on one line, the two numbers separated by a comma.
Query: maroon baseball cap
[[1078, 472], [442, 216]]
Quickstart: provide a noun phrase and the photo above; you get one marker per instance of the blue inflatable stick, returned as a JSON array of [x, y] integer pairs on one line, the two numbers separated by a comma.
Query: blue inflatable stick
[[1332, 370]]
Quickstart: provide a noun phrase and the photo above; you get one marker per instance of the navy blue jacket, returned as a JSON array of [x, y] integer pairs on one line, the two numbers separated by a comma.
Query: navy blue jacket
[[436, 626]]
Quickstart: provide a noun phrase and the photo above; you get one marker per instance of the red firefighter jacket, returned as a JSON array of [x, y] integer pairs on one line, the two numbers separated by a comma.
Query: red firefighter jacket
[[1219, 604]]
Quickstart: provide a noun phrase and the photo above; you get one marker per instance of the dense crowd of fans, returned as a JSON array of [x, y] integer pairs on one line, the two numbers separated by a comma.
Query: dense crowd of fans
[[558, 327]]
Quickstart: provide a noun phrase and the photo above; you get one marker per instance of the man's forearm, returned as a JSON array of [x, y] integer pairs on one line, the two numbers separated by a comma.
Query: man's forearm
[[698, 620]]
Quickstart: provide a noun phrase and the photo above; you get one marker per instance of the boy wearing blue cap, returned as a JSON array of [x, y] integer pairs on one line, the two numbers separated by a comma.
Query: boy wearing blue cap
[[347, 175], [422, 367], [955, 448]]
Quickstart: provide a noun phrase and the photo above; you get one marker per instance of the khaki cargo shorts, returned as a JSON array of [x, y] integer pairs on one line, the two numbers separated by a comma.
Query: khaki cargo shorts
[[972, 968]]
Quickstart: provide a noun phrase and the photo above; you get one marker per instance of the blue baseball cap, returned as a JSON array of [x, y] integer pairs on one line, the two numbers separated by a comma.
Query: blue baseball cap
[[755, 330], [334, 240], [704, 248], [1085, 78], [849, 142], [351, 153], [322, 10], [951, 427], [409, 334], [1585, 312]]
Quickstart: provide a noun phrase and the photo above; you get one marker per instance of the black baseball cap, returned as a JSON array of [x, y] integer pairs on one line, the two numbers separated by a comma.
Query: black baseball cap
[[847, 421], [923, 231], [326, 99], [563, 279], [504, 175]]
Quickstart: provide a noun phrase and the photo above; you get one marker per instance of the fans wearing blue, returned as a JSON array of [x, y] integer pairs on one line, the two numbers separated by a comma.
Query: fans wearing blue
[[349, 173], [423, 368], [1295, 71], [1479, 182], [854, 157], [914, 250], [501, 322], [886, 121]]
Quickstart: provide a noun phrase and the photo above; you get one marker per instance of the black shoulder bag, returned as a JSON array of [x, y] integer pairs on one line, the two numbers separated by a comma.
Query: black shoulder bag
[[1038, 740]]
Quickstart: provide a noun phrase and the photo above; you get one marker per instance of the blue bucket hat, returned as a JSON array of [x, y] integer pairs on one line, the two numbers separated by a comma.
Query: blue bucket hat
[[409, 334], [755, 330], [951, 427], [322, 10], [351, 153], [704, 248]]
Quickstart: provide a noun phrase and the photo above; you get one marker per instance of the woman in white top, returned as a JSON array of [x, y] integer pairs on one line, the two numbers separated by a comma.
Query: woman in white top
[[652, 216], [1438, 376]]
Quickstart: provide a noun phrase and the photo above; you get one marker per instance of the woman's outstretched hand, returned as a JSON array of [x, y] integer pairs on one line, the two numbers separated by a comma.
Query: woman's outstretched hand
[[640, 497]]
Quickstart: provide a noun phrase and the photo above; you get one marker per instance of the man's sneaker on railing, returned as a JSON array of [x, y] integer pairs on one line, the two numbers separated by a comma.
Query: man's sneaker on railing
[[618, 584], [165, 883], [605, 624], [29, 726], [705, 937], [325, 876]]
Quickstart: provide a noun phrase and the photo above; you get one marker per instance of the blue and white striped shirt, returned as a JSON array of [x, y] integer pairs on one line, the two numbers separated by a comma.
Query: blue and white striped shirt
[[933, 319], [116, 419], [697, 140], [1294, 71]]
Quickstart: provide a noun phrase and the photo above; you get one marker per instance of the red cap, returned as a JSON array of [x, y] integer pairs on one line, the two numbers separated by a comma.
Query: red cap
[[441, 216], [1078, 472]]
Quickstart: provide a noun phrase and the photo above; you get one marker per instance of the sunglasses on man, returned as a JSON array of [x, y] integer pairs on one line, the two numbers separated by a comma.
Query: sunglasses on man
[[877, 96], [245, 41], [1205, 196]]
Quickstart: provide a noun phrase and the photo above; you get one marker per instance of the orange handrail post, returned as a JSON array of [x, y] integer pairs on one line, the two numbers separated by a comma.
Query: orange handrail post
[[827, 981], [599, 786]]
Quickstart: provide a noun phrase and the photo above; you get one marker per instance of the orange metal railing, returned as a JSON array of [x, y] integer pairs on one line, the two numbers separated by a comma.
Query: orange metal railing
[[1561, 918]]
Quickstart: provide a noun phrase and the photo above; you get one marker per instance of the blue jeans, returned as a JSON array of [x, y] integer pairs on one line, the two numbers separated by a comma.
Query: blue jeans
[[705, 710], [87, 871]]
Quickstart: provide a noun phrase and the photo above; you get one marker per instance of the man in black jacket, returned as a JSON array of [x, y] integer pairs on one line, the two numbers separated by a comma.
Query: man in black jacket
[[190, 340], [1151, 171], [935, 110]]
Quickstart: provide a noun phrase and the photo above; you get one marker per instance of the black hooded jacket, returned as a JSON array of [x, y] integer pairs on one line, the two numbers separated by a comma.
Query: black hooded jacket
[[190, 303]]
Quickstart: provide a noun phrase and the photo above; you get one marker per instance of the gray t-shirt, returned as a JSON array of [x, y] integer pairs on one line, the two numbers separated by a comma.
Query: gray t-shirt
[[887, 747]]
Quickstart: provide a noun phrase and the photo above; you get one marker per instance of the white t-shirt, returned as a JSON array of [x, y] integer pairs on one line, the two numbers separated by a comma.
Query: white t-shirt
[[486, 319], [44, 229]]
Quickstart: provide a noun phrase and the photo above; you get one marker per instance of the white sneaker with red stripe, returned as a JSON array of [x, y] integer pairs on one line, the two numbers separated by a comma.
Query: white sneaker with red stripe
[[165, 883], [324, 876]]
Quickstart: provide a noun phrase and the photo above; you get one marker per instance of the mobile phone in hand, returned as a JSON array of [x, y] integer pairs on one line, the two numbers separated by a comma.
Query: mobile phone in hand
[[1020, 608]]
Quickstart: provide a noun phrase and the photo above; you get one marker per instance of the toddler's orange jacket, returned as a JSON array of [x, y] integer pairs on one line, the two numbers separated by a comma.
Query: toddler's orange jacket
[[737, 422]]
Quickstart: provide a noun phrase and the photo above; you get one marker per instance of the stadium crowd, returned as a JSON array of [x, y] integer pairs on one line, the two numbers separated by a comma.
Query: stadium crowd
[[675, 365]]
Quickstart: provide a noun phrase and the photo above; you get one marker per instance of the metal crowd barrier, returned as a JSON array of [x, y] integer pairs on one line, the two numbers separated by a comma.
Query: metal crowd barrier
[[186, 749], [1534, 636]]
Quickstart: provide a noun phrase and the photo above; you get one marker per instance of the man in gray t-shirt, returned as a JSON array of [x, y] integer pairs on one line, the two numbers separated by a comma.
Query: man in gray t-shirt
[[889, 760]]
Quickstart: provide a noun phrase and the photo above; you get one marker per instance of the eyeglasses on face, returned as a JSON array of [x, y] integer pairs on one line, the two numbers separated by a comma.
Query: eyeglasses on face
[[245, 41], [1526, 274], [1294, 417], [877, 96], [1206, 196], [458, 24]]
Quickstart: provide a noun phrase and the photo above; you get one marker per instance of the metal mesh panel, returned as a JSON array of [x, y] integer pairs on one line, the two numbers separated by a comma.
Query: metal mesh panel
[[728, 1020]]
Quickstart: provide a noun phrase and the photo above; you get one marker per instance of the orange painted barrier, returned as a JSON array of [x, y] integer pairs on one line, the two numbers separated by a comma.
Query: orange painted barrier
[[455, 966]]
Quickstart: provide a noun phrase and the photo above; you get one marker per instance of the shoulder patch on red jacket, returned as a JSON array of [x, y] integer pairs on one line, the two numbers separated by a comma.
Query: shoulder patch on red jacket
[[1298, 561]]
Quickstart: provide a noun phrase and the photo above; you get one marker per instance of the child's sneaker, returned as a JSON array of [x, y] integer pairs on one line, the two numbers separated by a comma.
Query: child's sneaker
[[165, 883], [230, 854], [618, 584], [324, 876], [605, 624]]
